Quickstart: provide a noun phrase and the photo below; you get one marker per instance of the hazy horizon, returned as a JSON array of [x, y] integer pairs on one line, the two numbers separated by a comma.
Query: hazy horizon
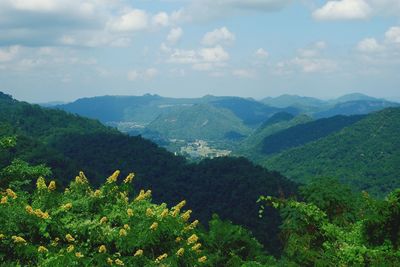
[[68, 49]]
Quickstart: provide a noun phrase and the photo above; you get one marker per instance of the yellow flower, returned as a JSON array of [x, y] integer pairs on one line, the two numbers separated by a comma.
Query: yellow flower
[[78, 255], [67, 206], [138, 253], [202, 259], [52, 186], [122, 232], [97, 193], [83, 177], [2, 236], [119, 262], [70, 248], [69, 238], [18, 240], [161, 257], [127, 227], [129, 178], [4, 200], [11, 193], [180, 252], [154, 226], [196, 247], [113, 178], [185, 216], [178, 239], [39, 213], [45, 215], [191, 226], [143, 195], [192, 239], [124, 196], [41, 183], [103, 220], [149, 212], [110, 261], [130, 212], [42, 249], [102, 249], [164, 213], [29, 209], [180, 204]]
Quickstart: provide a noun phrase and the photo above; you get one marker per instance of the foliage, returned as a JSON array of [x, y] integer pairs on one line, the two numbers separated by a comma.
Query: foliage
[[86, 227], [364, 155], [363, 233], [68, 143], [233, 245]]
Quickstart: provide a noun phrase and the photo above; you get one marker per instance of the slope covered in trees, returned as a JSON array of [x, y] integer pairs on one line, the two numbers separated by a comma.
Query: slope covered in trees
[[303, 133], [201, 121], [68, 143], [365, 155]]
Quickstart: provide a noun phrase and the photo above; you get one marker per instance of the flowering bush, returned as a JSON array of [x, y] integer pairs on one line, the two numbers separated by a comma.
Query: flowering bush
[[86, 227]]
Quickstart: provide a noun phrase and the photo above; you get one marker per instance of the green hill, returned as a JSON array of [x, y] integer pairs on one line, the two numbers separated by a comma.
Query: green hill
[[304, 133], [201, 121], [365, 155], [69, 143], [251, 147]]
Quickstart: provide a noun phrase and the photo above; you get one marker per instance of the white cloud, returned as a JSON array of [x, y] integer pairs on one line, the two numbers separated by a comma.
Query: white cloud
[[243, 73], [369, 45], [161, 19], [181, 56], [393, 35], [261, 53], [308, 60], [148, 74], [132, 20], [204, 55], [215, 54], [313, 50], [9, 53], [221, 35], [174, 35], [343, 10]]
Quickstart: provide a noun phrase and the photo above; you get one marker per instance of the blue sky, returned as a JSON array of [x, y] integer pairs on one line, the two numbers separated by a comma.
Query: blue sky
[[66, 49]]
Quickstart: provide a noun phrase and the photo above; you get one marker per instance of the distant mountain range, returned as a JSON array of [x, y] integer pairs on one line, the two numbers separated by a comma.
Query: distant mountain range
[[222, 121]]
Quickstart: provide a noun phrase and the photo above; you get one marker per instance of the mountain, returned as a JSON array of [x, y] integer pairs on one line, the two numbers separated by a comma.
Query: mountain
[[251, 146], [365, 155], [286, 100], [200, 121], [251, 112], [355, 107], [68, 143], [304, 133], [350, 104], [353, 97]]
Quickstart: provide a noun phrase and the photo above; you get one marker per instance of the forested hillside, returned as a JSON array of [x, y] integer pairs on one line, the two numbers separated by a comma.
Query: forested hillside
[[365, 155], [68, 143]]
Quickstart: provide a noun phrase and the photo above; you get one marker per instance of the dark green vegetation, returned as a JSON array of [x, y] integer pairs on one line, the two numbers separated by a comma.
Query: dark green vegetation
[[68, 143], [251, 147], [365, 155], [325, 223], [338, 227], [304, 133]]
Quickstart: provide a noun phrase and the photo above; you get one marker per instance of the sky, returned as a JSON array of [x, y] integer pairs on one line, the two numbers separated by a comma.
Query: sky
[[61, 50]]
